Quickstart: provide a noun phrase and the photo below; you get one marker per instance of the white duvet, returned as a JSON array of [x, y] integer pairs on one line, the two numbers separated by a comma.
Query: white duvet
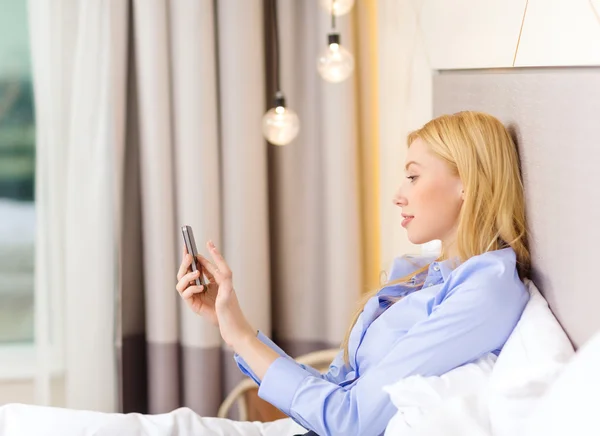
[[26, 420], [451, 405]]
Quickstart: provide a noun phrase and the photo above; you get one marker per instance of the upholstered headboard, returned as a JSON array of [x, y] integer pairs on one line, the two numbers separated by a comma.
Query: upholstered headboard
[[554, 114]]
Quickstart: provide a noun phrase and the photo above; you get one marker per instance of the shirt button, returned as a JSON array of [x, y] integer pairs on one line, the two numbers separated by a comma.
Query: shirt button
[[436, 268]]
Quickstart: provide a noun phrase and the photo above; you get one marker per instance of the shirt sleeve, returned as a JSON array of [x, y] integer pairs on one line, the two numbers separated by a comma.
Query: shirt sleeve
[[470, 322], [335, 374]]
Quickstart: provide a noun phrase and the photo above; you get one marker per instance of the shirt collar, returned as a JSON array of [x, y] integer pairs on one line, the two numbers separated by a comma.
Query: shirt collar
[[445, 267]]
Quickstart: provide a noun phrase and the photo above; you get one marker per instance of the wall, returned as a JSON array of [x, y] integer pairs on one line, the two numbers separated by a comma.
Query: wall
[[419, 37]]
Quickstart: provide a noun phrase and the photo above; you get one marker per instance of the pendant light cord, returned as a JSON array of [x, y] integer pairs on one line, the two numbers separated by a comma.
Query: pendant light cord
[[332, 15], [275, 28]]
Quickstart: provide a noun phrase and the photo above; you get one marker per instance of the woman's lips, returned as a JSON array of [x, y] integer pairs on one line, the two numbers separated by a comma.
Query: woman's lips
[[406, 220]]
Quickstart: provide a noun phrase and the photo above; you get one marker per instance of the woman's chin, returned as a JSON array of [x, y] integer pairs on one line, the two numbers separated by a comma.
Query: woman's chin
[[415, 238]]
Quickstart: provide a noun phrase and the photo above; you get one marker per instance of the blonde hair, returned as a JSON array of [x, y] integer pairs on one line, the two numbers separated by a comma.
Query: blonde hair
[[478, 148]]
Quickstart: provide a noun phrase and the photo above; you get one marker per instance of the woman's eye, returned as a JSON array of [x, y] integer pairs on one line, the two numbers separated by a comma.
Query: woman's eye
[[411, 178]]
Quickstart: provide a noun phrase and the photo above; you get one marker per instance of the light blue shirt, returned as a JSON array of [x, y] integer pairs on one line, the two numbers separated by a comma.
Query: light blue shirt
[[458, 316]]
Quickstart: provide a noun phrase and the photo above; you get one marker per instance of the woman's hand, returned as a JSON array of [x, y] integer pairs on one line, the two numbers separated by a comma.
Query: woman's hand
[[221, 301], [220, 304], [199, 299]]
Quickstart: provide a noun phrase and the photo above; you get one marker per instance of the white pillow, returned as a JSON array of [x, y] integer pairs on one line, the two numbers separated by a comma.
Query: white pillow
[[531, 360], [423, 403], [571, 405]]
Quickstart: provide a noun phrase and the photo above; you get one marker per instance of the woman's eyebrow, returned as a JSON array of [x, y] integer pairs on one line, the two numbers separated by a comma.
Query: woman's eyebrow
[[412, 162]]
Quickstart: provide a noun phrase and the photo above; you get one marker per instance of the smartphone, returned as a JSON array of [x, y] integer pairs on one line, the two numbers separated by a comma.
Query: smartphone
[[190, 244]]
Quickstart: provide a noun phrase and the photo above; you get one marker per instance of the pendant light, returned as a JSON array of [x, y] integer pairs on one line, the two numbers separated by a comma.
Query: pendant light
[[335, 64], [280, 125], [339, 8]]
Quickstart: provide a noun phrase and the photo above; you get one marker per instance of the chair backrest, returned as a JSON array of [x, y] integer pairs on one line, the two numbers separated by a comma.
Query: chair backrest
[[252, 408]]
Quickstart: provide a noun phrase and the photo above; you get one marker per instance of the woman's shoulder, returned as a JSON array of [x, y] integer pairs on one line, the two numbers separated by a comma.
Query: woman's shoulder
[[491, 273], [496, 263]]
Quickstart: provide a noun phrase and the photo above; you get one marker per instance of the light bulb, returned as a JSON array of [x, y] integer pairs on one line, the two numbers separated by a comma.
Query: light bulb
[[336, 63], [280, 125], [340, 7]]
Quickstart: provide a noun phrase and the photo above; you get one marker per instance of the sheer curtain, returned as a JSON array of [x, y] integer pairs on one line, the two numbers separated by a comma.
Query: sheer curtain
[[79, 59]]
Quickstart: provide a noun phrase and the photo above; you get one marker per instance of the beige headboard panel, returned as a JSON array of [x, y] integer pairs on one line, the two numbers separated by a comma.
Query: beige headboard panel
[[555, 116]]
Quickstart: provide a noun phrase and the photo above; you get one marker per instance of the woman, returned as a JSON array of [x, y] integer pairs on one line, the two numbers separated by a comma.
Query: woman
[[463, 187]]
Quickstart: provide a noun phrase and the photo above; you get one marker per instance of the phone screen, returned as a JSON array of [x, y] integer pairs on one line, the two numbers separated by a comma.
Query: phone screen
[[190, 244]]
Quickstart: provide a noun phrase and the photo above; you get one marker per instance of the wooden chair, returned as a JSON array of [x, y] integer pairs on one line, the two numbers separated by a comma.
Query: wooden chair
[[252, 408]]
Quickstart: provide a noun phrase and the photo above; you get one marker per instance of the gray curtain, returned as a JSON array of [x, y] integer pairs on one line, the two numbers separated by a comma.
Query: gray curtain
[[287, 218]]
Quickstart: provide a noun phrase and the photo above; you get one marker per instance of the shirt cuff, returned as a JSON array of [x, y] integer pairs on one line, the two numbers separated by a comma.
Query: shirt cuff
[[281, 382], [243, 366]]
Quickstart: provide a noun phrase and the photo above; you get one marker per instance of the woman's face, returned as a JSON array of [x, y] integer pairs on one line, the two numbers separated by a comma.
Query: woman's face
[[430, 197]]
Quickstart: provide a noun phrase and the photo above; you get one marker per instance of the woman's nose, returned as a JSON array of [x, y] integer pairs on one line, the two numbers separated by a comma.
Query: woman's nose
[[399, 200]]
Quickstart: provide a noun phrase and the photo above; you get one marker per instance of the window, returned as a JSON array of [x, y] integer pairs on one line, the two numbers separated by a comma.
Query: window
[[17, 172]]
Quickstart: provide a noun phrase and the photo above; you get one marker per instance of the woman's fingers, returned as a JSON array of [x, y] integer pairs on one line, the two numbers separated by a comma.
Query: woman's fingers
[[202, 260], [191, 291], [209, 269], [215, 272], [222, 266], [186, 262], [184, 281]]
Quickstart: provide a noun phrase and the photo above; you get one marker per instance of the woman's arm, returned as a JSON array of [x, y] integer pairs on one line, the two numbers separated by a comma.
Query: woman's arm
[[335, 374], [401, 266], [257, 355]]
